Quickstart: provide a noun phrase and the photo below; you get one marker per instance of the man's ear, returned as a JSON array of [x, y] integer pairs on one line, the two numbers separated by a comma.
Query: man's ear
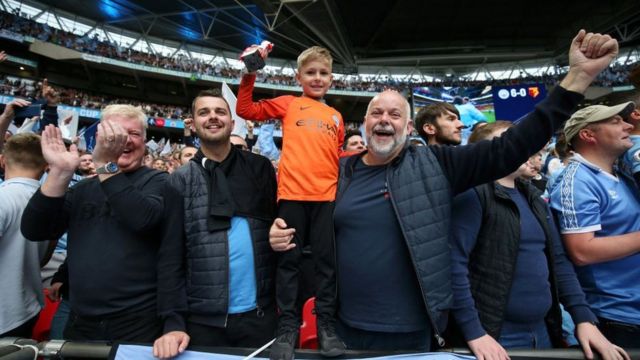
[[429, 129], [410, 127], [587, 135], [634, 117]]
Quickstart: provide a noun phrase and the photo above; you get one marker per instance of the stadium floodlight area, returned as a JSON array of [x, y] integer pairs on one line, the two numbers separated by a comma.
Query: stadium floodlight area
[[127, 39]]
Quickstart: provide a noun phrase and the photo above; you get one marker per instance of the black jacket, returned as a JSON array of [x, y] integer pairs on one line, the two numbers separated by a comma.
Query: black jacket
[[490, 274], [205, 254], [422, 181]]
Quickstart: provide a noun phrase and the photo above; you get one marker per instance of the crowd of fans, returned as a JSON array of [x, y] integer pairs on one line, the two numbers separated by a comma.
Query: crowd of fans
[[27, 88], [614, 76]]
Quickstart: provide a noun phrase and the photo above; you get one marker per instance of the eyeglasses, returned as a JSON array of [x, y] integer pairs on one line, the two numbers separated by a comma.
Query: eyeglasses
[[241, 147]]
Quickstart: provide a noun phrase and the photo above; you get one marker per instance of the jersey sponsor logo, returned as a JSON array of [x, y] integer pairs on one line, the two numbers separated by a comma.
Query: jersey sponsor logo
[[612, 194], [319, 126]]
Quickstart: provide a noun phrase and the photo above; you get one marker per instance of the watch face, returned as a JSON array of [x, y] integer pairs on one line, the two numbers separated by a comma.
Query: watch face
[[111, 167], [108, 168]]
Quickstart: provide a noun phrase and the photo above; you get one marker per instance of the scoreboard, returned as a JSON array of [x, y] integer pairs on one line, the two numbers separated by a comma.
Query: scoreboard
[[514, 101]]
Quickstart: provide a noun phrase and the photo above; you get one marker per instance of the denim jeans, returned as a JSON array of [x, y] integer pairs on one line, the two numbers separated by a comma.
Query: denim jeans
[[524, 336], [59, 320]]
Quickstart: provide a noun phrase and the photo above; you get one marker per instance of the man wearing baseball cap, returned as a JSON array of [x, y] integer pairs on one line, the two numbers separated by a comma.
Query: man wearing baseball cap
[[598, 209]]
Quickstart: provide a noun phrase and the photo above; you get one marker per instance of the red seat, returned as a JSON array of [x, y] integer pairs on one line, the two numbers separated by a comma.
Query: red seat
[[308, 331], [43, 325]]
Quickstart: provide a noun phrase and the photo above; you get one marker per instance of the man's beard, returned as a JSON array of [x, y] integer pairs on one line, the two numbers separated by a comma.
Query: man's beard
[[445, 141], [384, 150]]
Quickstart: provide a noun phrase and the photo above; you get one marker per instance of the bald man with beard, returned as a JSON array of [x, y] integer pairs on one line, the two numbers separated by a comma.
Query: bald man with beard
[[393, 209]]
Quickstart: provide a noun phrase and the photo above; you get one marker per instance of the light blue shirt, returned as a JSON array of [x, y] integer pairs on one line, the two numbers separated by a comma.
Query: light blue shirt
[[242, 274], [20, 282], [469, 114], [632, 156], [588, 199]]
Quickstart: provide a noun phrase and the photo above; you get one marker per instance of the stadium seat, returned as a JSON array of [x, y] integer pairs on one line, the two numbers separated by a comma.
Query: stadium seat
[[43, 325], [308, 331]]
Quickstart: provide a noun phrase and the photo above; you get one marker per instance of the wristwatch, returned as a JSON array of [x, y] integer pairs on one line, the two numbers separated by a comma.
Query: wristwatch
[[108, 168]]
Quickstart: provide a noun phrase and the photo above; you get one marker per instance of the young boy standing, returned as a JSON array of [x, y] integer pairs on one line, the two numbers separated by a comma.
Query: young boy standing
[[313, 134]]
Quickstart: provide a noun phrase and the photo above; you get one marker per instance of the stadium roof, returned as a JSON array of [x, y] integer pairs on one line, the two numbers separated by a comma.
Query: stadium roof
[[413, 33]]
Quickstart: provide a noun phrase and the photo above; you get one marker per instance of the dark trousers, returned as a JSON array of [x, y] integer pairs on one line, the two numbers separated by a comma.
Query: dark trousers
[[24, 330], [621, 334], [358, 339], [250, 329], [313, 222], [142, 328]]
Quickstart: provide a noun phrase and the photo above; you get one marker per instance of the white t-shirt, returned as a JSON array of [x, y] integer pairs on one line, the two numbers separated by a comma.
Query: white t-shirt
[[20, 285]]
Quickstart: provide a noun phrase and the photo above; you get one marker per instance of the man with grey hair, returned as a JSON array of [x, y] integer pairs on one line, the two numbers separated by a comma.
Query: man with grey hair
[[598, 208], [118, 225], [393, 209]]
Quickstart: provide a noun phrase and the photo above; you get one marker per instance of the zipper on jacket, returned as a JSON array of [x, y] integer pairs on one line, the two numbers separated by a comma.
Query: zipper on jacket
[[226, 313], [259, 310], [436, 333]]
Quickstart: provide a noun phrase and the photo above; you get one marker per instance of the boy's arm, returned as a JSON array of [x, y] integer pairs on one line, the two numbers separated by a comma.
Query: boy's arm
[[341, 151], [263, 109]]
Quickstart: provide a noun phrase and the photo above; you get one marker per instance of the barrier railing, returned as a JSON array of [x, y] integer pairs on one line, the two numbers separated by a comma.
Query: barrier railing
[[24, 349]]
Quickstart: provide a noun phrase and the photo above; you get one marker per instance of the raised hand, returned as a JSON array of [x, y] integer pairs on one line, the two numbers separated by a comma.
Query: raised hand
[[188, 126], [592, 52], [111, 139], [55, 152], [49, 93], [62, 162], [264, 53], [7, 116], [10, 108], [589, 54]]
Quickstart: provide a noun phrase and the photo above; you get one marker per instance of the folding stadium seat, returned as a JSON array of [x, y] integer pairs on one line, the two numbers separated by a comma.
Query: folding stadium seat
[[308, 331], [43, 325]]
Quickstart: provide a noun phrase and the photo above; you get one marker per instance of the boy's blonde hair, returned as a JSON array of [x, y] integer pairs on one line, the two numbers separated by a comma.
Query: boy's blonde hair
[[314, 53]]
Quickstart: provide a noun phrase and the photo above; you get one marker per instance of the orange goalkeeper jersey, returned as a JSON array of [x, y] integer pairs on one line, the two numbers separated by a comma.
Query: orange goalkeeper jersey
[[312, 137]]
